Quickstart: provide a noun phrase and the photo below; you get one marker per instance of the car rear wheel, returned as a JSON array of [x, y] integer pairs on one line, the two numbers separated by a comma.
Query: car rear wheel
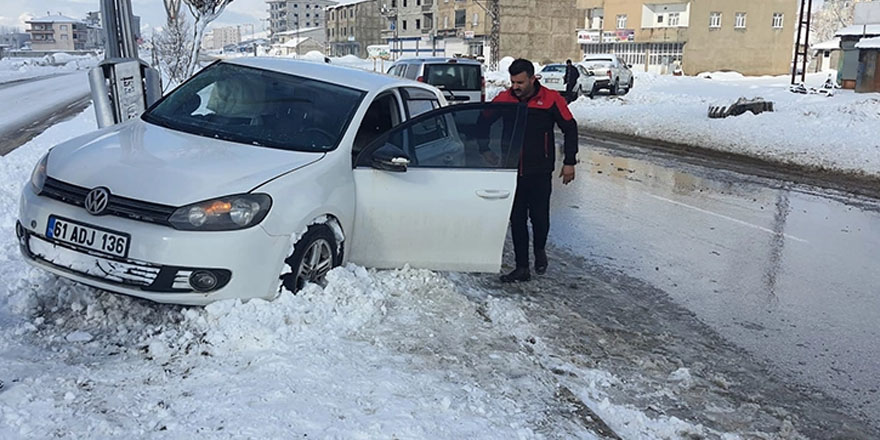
[[313, 256], [615, 88]]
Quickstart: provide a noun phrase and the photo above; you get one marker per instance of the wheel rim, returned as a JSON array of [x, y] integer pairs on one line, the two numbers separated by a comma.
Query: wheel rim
[[316, 262]]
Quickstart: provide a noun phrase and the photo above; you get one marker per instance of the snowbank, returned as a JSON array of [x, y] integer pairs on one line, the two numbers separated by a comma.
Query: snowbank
[[838, 133], [12, 69]]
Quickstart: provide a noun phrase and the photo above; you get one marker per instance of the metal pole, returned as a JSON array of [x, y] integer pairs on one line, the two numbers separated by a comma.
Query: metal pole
[[807, 40], [797, 43]]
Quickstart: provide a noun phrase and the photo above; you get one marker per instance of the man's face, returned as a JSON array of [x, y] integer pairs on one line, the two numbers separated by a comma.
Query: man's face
[[522, 84]]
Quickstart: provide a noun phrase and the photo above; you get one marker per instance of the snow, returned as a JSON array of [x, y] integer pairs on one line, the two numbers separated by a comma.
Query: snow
[[836, 133], [13, 69], [375, 354], [859, 29], [869, 43]]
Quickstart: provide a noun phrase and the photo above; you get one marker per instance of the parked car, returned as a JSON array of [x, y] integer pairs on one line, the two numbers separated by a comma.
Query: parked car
[[258, 175], [553, 75], [610, 72], [461, 79]]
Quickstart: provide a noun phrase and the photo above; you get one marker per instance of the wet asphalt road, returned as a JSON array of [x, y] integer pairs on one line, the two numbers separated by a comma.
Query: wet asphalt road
[[786, 272]]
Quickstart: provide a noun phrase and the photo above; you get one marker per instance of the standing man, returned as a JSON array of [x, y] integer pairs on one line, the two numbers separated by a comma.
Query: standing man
[[570, 79], [537, 161]]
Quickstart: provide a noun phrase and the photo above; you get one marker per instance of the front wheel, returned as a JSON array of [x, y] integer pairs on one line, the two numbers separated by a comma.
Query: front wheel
[[313, 256]]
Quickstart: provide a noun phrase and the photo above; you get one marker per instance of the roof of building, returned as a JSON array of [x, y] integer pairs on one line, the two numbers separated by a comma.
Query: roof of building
[[859, 29], [869, 43], [831, 44], [54, 19], [300, 31], [343, 3], [344, 76], [295, 41]]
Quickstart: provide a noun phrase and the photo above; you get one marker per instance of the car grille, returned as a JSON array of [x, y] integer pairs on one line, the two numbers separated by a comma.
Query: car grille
[[118, 206]]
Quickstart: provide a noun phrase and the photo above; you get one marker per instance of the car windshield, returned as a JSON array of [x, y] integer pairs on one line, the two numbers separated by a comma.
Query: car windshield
[[259, 107], [554, 68], [454, 76]]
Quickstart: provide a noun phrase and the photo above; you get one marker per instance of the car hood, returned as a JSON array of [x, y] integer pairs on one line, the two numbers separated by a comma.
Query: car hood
[[146, 162]]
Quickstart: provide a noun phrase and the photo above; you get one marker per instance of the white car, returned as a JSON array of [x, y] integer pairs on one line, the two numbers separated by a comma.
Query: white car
[[553, 75], [259, 175], [610, 73]]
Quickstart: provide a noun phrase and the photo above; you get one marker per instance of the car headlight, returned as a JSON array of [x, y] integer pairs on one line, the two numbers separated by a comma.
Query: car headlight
[[222, 214], [38, 176]]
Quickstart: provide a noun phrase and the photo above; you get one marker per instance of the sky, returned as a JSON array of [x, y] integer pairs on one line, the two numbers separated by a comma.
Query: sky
[[15, 12]]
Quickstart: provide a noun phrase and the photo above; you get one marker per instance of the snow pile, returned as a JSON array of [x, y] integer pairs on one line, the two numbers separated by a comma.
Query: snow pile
[[836, 133], [12, 69]]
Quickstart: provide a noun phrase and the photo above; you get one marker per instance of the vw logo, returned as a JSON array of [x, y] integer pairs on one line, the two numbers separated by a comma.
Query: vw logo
[[96, 200]]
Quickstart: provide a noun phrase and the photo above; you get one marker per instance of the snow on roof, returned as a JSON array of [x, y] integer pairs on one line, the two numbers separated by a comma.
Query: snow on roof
[[54, 19], [295, 41], [831, 44], [859, 29], [869, 43], [300, 31], [346, 3]]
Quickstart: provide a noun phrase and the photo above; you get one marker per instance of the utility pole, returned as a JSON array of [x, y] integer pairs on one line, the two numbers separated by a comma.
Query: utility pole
[[803, 33], [493, 10]]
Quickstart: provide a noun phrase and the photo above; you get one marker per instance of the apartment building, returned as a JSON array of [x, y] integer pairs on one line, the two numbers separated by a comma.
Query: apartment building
[[57, 32], [753, 37], [352, 25], [291, 15], [462, 27], [410, 26]]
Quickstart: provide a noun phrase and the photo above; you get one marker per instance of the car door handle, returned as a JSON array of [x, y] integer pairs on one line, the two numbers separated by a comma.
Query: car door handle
[[493, 194]]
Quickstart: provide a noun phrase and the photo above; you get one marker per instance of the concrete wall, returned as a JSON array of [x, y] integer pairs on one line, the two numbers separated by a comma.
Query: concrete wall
[[759, 49], [869, 75], [542, 31]]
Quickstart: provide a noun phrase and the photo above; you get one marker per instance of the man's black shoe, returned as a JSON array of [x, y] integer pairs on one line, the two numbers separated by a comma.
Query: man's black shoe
[[540, 262], [518, 274]]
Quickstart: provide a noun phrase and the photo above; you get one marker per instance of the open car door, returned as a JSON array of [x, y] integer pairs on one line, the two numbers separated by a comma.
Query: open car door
[[436, 192]]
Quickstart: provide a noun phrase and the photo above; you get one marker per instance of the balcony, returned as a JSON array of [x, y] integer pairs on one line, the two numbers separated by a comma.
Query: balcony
[[427, 5]]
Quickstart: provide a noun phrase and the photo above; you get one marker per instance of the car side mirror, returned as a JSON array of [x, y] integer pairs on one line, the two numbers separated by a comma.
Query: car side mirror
[[629, 66], [389, 158]]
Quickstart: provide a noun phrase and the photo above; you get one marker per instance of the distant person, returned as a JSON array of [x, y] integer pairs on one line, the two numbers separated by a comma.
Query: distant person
[[570, 79], [536, 164]]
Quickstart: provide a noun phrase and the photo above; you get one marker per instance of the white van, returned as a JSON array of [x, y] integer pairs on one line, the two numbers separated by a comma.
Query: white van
[[460, 79]]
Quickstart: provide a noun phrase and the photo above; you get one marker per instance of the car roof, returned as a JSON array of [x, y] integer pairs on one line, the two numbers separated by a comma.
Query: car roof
[[344, 76], [431, 60], [599, 55]]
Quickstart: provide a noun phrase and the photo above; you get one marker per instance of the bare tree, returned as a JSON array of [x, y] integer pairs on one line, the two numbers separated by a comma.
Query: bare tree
[[174, 45], [204, 12], [834, 15]]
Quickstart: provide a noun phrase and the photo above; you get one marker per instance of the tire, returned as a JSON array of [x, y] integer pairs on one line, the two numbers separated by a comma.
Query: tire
[[593, 92], [615, 88], [627, 88], [313, 256]]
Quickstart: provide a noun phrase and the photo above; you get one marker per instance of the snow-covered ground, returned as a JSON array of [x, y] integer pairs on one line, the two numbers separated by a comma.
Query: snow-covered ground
[[13, 69], [838, 133]]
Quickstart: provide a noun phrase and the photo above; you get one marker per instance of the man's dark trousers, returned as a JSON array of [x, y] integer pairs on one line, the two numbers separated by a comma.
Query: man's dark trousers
[[532, 200]]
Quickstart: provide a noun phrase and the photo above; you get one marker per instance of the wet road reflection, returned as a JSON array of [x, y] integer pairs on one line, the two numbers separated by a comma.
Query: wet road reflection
[[785, 271]]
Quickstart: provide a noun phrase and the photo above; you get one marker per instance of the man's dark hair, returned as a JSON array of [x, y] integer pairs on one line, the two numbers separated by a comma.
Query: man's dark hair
[[522, 65], [568, 61]]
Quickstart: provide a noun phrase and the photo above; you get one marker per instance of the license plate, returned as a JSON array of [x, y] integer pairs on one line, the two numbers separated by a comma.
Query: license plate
[[552, 80], [89, 237]]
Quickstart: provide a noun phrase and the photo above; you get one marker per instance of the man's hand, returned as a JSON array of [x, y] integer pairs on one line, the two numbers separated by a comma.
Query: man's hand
[[567, 174], [491, 158]]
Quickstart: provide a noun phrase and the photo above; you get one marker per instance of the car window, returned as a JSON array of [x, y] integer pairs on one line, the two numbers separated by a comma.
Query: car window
[[412, 71], [259, 107], [598, 61], [418, 101], [553, 68], [456, 137], [454, 76], [382, 115], [582, 70]]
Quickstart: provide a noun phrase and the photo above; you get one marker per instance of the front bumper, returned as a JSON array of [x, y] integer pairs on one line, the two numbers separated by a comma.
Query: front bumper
[[161, 260]]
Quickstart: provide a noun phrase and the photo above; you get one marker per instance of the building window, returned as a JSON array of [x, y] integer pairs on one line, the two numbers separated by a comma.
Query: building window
[[778, 19], [476, 19], [740, 20], [460, 18], [403, 24], [674, 19], [418, 24], [715, 20], [659, 19], [404, 3], [63, 27], [621, 21]]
